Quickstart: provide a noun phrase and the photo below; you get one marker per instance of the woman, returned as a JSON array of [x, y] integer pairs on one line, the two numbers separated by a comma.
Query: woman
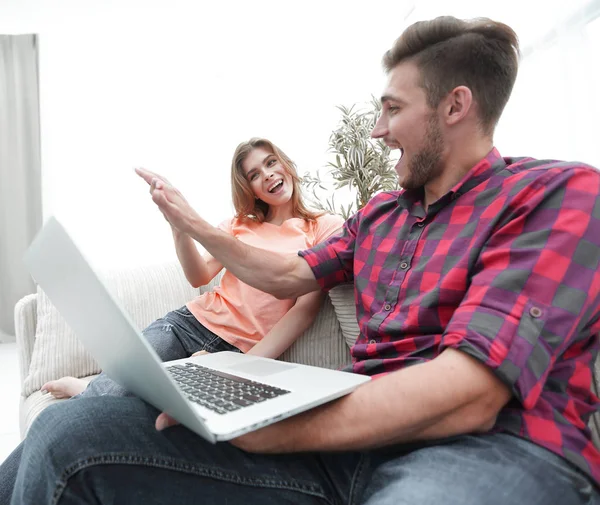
[[270, 214]]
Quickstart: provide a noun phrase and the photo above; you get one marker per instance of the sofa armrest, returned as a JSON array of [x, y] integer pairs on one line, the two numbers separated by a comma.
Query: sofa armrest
[[25, 324]]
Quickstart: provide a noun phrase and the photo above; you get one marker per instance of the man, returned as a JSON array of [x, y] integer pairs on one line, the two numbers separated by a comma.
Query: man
[[478, 302]]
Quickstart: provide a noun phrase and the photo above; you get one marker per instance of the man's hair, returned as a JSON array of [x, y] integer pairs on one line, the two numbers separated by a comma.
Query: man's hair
[[480, 53]]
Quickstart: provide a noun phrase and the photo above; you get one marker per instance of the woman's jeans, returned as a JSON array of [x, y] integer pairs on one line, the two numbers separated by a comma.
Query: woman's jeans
[[105, 450], [177, 335]]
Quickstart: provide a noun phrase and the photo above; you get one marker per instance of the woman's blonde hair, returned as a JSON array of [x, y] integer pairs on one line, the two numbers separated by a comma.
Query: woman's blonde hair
[[247, 207]]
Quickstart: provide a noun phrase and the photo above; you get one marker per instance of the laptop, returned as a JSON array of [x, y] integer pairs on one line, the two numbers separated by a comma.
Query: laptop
[[219, 396]]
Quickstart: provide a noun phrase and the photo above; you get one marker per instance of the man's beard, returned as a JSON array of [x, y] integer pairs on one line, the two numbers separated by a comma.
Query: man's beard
[[427, 164]]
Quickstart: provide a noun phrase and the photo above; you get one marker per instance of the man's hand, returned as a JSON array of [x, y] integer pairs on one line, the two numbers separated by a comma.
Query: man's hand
[[147, 175], [271, 439], [170, 201], [200, 353]]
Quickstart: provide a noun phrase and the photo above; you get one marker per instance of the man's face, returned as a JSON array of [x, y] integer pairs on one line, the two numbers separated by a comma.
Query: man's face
[[409, 124]]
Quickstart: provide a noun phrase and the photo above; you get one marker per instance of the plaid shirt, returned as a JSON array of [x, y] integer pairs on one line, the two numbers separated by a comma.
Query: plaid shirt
[[504, 267]]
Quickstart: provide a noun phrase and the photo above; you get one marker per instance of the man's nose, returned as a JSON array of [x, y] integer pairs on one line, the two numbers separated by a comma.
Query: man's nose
[[380, 130]]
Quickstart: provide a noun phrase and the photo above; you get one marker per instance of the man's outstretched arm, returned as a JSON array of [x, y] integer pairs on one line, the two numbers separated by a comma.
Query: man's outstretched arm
[[283, 276]]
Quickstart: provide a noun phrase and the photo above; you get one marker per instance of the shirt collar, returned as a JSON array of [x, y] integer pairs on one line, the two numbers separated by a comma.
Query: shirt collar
[[412, 200], [481, 172]]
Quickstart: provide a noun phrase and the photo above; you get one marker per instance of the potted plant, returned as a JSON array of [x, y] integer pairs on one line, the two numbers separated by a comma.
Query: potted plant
[[360, 163], [364, 166]]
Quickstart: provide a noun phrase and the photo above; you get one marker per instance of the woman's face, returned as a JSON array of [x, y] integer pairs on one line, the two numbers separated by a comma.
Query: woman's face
[[269, 180]]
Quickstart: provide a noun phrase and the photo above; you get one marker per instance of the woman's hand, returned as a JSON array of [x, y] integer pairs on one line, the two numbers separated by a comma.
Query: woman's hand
[[170, 201]]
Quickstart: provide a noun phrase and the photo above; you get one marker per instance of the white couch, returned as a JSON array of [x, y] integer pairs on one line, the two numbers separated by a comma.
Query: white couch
[[48, 349]]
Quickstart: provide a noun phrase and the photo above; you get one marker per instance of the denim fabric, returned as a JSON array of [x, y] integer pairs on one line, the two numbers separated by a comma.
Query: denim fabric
[[174, 336], [177, 335], [491, 469], [105, 450], [8, 474]]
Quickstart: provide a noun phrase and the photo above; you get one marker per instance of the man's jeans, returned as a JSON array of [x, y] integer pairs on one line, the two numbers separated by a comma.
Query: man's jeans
[[174, 336], [105, 450]]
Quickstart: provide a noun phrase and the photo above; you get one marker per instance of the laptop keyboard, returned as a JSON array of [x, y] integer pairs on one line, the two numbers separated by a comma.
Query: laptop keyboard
[[219, 391]]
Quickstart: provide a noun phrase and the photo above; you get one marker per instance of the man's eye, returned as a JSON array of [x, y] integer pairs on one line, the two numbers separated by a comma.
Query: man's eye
[[393, 109]]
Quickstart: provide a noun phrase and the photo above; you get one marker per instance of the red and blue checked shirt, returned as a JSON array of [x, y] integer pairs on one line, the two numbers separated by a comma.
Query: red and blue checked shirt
[[504, 267]]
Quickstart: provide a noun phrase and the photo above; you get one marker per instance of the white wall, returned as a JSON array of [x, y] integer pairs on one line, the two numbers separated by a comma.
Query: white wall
[[175, 85]]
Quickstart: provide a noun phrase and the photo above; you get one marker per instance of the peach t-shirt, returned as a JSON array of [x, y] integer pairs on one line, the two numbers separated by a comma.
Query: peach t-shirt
[[243, 315]]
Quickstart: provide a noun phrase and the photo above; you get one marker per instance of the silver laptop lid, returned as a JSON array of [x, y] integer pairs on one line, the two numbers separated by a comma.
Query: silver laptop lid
[[106, 331]]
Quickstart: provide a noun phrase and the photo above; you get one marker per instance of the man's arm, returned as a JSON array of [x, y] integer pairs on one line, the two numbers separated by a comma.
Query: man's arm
[[450, 395], [283, 276], [289, 327]]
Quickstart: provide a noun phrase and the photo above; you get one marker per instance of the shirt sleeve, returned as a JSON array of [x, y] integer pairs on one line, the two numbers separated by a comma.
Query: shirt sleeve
[[332, 260], [327, 225], [534, 296]]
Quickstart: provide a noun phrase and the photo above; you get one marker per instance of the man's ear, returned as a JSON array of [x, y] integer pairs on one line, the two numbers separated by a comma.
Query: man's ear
[[457, 105]]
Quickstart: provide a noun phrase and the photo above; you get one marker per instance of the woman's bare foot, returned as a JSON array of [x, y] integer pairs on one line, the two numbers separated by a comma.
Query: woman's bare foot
[[65, 387]]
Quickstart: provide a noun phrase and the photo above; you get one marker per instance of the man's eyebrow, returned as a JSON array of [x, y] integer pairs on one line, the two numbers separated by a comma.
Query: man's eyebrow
[[391, 98]]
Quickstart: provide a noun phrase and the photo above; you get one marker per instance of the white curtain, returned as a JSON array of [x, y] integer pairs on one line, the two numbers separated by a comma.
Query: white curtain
[[20, 177]]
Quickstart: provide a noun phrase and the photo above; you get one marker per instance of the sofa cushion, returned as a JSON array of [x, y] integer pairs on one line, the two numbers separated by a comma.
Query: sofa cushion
[[342, 298], [145, 293], [322, 344]]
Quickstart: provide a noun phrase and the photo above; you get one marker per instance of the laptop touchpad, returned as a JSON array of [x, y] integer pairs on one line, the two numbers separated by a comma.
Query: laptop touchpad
[[262, 368]]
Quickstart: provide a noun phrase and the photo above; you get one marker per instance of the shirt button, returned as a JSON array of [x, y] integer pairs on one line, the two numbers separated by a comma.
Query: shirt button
[[387, 306], [372, 341], [404, 265], [535, 312]]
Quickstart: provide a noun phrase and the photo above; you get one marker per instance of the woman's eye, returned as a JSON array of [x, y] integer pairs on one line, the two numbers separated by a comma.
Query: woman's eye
[[271, 162], [253, 176]]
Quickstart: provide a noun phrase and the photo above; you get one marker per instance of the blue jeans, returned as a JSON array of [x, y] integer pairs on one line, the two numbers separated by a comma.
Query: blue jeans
[[105, 450], [175, 336]]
